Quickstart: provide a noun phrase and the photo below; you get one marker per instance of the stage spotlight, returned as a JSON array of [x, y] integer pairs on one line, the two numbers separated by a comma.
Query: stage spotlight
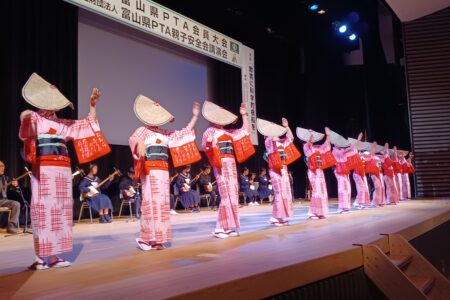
[[322, 11], [352, 37], [313, 7], [342, 28]]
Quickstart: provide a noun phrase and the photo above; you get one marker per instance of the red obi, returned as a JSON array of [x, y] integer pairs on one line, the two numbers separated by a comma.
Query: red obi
[[275, 161], [372, 167], [388, 172], [354, 162], [342, 168], [243, 149], [397, 167], [314, 161], [214, 157], [408, 169], [360, 170], [53, 160]]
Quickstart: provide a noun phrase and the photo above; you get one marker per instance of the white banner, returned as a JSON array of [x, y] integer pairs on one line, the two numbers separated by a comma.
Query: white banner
[[158, 20], [153, 18], [248, 88]]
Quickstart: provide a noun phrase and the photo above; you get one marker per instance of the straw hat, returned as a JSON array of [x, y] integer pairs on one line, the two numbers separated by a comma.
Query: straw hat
[[379, 149], [404, 153], [217, 115], [361, 146], [268, 128], [43, 95], [150, 112], [305, 134], [338, 140]]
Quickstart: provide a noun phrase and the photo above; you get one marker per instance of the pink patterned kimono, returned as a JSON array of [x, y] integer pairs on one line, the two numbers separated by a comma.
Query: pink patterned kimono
[[398, 174], [226, 175], [319, 198], [392, 195], [362, 187], [406, 186], [343, 179], [282, 204], [154, 175], [379, 196], [44, 138]]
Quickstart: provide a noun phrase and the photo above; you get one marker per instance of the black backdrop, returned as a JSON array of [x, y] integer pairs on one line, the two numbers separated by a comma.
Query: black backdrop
[[300, 74]]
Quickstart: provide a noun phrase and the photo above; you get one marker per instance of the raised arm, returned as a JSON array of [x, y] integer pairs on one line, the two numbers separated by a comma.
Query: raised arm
[[285, 124], [327, 135], [386, 149], [95, 97], [373, 149], [195, 113], [244, 114], [360, 136]]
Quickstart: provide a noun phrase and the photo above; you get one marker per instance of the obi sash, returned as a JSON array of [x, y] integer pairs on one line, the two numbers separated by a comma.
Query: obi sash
[[386, 165], [51, 144], [397, 167], [156, 158], [372, 167], [342, 168], [51, 150]]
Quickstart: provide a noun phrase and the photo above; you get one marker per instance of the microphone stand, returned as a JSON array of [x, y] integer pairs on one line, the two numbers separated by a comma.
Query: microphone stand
[[26, 207]]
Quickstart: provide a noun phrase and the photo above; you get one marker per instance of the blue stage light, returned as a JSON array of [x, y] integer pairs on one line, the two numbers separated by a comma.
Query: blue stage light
[[342, 28], [313, 7], [352, 37]]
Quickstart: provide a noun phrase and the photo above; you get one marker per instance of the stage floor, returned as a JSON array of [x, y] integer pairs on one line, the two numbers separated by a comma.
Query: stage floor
[[107, 263]]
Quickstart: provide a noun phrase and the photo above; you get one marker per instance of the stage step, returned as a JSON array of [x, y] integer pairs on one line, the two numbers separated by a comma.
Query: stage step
[[400, 261], [403, 273], [424, 284]]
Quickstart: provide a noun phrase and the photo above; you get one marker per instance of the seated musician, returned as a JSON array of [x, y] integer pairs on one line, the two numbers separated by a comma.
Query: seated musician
[[173, 212], [5, 185], [207, 187], [265, 190], [99, 202], [129, 189], [246, 186], [188, 197]]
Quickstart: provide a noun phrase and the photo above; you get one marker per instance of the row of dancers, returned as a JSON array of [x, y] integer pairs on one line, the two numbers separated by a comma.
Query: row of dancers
[[45, 135]]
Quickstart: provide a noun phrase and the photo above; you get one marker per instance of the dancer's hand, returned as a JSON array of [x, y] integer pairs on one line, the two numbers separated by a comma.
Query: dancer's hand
[[360, 136], [243, 109], [140, 149], [25, 115], [95, 97], [284, 122], [327, 131], [196, 107]]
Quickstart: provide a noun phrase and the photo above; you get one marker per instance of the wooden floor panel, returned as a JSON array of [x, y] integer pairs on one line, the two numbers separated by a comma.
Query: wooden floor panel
[[198, 266]]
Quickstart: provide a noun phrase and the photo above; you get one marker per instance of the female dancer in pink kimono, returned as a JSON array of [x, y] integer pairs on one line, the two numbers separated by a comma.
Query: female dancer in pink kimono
[[44, 136], [392, 195], [373, 167], [319, 199], [149, 145], [407, 169], [286, 153], [221, 146]]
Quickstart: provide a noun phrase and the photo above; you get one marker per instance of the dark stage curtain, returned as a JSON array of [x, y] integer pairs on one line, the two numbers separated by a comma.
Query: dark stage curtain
[[38, 36]]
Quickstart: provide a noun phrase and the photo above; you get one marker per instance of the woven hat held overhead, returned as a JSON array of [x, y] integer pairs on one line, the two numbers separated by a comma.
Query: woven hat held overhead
[[361, 146], [403, 153], [43, 95], [217, 115], [305, 134], [338, 140], [150, 112], [268, 128]]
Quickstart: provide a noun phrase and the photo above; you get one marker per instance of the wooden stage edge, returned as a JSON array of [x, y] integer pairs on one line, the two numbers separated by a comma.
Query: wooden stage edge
[[258, 264]]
